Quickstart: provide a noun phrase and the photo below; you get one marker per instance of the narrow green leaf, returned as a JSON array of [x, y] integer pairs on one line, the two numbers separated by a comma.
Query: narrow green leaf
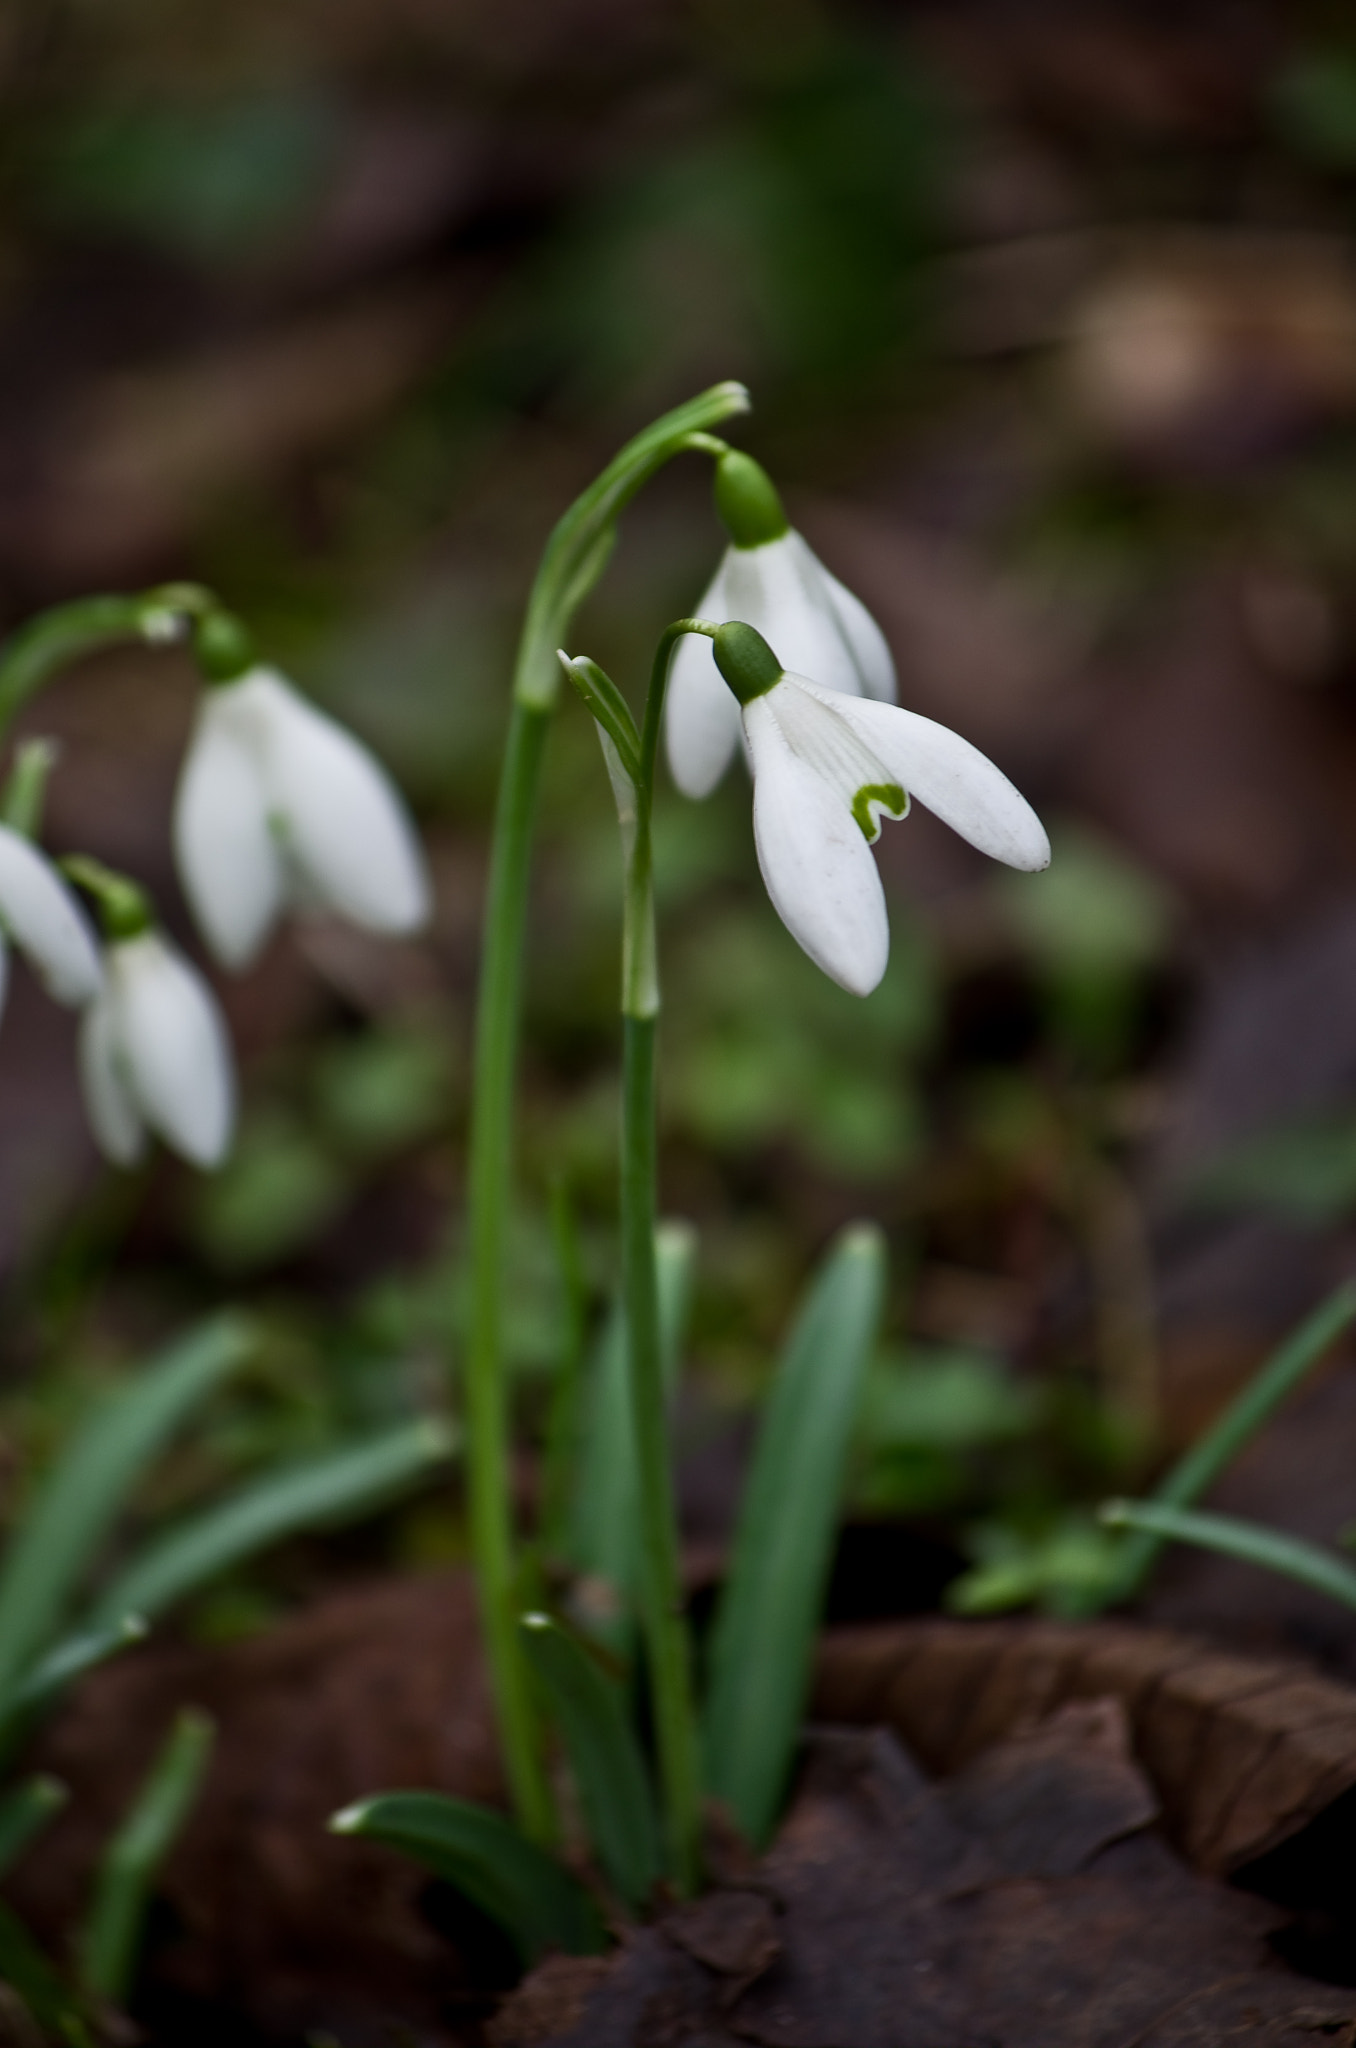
[[93, 1478], [560, 1450], [25, 1810], [603, 1537], [44, 1683], [534, 1899], [763, 1637], [609, 708], [27, 1971], [589, 1708], [1200, 1466], [1251, 1542], [107, 1943], [315, 1493]]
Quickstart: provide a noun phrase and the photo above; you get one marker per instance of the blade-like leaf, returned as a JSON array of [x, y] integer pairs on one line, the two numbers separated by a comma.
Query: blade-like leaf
[[534, 1899], [1199, 1467], [26, 1970], [603, 1538], [315, 1493], [25, 1810], [589, 1707], [69, 1519], [1251, 1542], [560, 1450], [763, 1635], [46, 1680], [127, 1870]]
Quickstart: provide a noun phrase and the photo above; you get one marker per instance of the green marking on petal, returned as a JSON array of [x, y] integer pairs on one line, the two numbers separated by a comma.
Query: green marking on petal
[[889, 797]]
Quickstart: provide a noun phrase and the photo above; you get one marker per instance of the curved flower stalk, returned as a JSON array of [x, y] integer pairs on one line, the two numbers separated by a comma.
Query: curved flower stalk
[[770, 577], [154, 1054], [826, 768], [278, 804]]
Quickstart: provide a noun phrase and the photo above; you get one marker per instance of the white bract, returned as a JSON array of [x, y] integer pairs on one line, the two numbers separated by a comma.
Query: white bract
[[154, 1056], [277, 803], [826, 768], [39, 915]]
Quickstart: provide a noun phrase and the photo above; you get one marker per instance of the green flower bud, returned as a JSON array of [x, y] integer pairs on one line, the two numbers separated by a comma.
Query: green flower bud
[[745, 660], [224, 646], [747, 503]]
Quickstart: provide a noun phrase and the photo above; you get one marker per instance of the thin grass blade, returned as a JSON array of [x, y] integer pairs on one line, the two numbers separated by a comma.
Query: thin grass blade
[[534, 1899], [1199, 1467], [107, 1944], [25, 1810], [603, 1537], [560, 1451], [1251, 1542], [73, 1512], [763, 1636], [590, 1709], [315, 1493]]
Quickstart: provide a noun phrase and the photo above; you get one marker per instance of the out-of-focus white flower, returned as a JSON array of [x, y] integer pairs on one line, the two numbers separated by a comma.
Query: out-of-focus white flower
[[826, 768], [773, 580], [39, 915], [277, 803], [155, 1057]]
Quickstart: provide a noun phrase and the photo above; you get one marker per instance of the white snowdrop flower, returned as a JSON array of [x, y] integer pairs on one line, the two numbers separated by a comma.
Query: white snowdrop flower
[[39, 915], [826, 768], [277, 803], [772, 579], [155, 1057]]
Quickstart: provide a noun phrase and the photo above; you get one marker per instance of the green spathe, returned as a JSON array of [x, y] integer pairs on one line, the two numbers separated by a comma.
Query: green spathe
[[746, 661], [747, 503]]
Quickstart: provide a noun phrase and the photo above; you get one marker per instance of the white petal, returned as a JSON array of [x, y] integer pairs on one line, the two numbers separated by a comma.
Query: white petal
[[172, 1047], [812, 725], [954, 780], [113, 1114], [870, 651], [339, 815], [701, 712], [816, 864], [229, 864], [44, 920]]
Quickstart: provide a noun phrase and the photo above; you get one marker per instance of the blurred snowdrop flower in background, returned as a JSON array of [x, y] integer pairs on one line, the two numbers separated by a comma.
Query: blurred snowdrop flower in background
[[155, 1057], [39, 915], [826, 768], [772, 579], [278, 804]]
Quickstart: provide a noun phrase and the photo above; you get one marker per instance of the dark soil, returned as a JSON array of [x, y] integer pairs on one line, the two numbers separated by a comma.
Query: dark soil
[[1062, 1876]]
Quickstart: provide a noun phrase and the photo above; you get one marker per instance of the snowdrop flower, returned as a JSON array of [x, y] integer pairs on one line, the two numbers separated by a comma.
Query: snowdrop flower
[[826, 768], [277, 803], [154, 1056], [40, 916], [773, 580]]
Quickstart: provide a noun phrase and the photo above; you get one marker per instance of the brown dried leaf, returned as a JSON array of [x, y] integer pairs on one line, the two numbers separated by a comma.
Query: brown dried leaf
[[1242, 1751]]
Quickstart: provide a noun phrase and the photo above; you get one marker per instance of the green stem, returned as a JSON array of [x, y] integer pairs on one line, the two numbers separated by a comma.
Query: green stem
[[574, 558], [488, 1475], [666, 1638]]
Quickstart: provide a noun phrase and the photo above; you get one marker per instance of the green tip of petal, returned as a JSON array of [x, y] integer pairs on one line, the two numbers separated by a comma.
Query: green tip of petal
[[745, 660], [873, 798], [747, 502]]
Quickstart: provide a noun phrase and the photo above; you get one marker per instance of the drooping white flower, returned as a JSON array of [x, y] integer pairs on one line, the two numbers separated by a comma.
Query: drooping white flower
[[772, 579], [40, 915], [277, 803], [155, 1057], [826, 768]]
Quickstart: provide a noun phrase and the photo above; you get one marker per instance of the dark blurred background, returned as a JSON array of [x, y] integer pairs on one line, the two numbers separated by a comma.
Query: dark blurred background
[[1049, 314]]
